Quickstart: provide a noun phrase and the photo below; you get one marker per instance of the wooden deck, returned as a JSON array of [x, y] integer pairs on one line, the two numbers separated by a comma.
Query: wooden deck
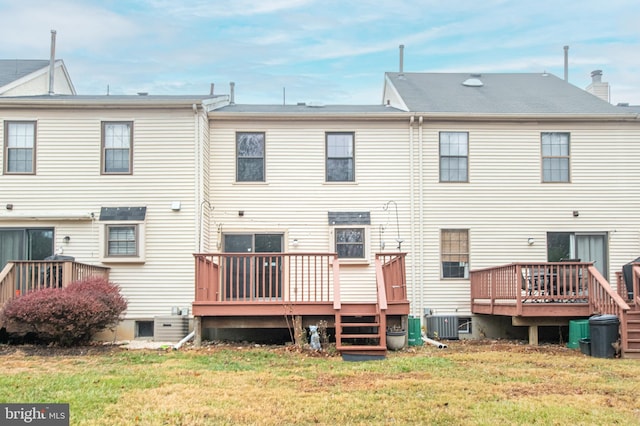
[[21, 277], [553, 292], [266, 290]]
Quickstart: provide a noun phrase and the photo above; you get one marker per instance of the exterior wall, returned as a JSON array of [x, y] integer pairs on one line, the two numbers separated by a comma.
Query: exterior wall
[[295, 199], [68, 181], [505, 202]]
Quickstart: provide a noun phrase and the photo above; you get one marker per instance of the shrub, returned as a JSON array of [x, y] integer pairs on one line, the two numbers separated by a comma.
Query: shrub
[[70, 315]]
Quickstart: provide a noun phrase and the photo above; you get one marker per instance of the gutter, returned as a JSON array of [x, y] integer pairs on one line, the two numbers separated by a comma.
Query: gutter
[[44, 215]]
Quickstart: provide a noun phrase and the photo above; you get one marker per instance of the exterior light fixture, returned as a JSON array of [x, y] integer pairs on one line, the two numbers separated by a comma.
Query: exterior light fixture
[[531, 241], [66, 239]]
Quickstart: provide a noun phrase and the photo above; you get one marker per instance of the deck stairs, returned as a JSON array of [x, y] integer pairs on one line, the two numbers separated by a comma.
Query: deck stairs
[[361, 331], [633, 333]]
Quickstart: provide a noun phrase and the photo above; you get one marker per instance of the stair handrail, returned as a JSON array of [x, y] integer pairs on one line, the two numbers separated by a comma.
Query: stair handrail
[[636, 285], [380, 286], [604, 300], [7, 283], [608, 301]]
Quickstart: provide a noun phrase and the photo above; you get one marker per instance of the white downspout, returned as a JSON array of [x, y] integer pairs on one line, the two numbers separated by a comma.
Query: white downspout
[[197, 184], [412, 220], [421, 207]]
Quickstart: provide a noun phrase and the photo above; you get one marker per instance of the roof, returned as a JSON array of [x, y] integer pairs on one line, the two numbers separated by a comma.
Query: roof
[[630, 108], [498, 93], [15, 69], [72, 101], [307, 109]]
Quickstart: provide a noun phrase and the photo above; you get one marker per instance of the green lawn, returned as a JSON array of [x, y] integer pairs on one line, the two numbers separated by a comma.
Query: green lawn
[[489, 383]]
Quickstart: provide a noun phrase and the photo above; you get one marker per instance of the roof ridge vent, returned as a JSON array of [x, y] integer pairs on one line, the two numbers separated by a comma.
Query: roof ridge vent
[[473, 81]]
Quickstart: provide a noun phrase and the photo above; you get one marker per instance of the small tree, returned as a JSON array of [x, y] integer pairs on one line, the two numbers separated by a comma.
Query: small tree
[[71, 315]]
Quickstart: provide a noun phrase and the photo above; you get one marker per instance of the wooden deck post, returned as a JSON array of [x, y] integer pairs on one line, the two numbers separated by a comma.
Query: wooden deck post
[[298, 331], [533, 335], [197, 327]]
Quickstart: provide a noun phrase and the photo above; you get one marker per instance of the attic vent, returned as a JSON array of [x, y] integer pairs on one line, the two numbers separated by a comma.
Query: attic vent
[[473, 81]]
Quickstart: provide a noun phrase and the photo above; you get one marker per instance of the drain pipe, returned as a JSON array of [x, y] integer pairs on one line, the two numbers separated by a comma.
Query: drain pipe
[[434, 343], [421, 207], [412, 207], [184, 340]]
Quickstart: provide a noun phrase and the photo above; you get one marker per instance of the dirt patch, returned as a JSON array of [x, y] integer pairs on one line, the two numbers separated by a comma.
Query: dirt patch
[[57, 351], [98, 348]]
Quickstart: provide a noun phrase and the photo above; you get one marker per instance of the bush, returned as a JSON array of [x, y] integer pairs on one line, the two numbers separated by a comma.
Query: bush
[[70, 315]]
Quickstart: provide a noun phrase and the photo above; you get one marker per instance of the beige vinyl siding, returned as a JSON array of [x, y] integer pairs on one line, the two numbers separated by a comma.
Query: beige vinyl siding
[[295, 197], [68, 179], [505, 201]]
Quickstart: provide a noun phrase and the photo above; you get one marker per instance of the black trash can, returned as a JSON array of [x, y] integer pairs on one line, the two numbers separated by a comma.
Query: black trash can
[[604, 332], [627, 273]]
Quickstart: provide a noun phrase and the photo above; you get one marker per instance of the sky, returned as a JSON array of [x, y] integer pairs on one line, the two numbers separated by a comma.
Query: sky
[[323, 51]]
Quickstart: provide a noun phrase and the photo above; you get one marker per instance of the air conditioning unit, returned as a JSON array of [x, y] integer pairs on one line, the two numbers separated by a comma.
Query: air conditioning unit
[[170, 328], [442, 326]]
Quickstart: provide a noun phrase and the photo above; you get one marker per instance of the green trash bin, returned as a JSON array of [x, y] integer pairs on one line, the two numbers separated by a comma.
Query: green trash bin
[[415, 332], [578, 329]]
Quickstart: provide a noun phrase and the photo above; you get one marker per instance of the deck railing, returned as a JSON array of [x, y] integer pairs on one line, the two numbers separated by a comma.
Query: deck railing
[[556, 282], [290, 277], [21, 277], [267, 277], [391, 276]]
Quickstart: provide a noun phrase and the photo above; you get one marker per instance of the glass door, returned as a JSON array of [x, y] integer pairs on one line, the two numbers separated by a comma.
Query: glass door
[[250, 277], [25, 244], [593, 248]]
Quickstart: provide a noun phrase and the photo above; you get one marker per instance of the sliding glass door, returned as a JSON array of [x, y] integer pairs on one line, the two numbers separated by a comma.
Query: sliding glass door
[[25, 244], [251, 277]]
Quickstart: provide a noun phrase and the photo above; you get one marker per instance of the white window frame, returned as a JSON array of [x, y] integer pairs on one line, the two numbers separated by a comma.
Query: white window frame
[[104, 149], [556, 157], [450, 155], [11, 138], [140, 230]]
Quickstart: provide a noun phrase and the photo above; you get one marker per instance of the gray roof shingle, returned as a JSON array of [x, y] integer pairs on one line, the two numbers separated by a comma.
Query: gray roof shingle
[[500, 93], [14, 69]]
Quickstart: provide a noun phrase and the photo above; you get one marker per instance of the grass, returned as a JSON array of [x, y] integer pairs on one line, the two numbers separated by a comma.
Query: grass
[[469, 383]]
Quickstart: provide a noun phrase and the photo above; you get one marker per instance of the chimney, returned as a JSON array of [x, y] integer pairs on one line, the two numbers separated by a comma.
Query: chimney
[[566, 63], [232, 95], [401, 58], [52, 61], [598, 87]]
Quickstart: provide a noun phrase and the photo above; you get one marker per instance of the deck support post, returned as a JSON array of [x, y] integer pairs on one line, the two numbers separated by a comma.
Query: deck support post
[[298, 331], [197, 327], [533, 335]]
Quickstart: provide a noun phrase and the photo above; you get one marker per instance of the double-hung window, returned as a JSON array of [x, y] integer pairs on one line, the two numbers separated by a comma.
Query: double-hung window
[[250, 151], [350, 236], [454, 157], [340, 165], [555, 157], [350, 243], [122, 234], [20, 147], [117, 147], [454, 252], [122, 240]]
